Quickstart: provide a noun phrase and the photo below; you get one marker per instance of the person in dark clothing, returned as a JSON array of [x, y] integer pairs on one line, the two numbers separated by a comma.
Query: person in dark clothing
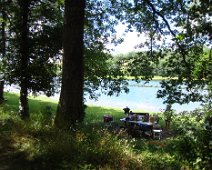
[[126, 110]]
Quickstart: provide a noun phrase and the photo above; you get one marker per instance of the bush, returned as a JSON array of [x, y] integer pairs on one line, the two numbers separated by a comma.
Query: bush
[[193, 144]]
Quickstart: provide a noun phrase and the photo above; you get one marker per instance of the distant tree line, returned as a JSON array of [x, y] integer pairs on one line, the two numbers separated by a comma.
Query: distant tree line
[[128, 64]]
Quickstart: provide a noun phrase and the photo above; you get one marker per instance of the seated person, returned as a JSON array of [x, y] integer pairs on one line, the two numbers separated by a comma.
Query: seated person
[[152, 119], [126, 110]]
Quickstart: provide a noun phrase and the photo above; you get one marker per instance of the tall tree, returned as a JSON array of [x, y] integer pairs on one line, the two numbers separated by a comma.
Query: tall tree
[[70, 107], [35, 30], [24, 56]]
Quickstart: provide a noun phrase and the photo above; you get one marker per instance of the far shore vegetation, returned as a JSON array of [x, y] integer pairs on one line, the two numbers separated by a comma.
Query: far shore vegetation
[[159, 78]]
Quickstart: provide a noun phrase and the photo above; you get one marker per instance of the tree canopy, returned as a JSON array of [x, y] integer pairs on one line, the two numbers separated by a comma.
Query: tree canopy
[[187, 24]]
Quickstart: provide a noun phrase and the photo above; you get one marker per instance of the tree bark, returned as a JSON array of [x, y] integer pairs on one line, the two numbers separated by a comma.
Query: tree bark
[[70, 108], [24, 57]]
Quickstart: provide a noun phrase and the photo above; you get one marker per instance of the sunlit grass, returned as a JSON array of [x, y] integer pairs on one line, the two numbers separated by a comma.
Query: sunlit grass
[[95, 113]]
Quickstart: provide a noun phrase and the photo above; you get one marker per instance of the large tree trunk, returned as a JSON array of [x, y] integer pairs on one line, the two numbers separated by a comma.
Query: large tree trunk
[[70, 108], [24, 58]]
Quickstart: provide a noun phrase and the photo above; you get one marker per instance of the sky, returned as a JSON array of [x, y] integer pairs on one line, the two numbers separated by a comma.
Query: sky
[[131, 39]]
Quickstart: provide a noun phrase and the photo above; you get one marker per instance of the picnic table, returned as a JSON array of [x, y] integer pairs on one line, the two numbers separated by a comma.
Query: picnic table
[[139, 125]]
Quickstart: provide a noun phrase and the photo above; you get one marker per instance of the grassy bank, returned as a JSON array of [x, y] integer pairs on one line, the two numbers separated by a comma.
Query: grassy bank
[[36, 144]]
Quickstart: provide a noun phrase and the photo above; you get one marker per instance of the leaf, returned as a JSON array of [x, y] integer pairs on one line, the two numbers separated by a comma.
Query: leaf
[[180, 36]]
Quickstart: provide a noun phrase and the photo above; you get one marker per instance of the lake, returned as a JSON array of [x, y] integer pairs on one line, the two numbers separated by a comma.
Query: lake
[[140, 97]]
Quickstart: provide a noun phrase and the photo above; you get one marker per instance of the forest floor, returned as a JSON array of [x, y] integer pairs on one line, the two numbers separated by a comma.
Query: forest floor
[[13, 159], [10, 158]]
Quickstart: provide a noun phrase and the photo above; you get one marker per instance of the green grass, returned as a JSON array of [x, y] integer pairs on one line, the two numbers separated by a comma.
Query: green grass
[[95, 114], [92, 145]]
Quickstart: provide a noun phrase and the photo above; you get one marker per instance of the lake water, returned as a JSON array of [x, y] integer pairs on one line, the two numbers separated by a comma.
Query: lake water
[[140, 97]]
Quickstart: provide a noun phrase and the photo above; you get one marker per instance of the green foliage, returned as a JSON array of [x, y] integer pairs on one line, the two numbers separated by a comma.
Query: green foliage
[[188, 24], [194, 143], [100, 72], [135, 64], [44, 45]]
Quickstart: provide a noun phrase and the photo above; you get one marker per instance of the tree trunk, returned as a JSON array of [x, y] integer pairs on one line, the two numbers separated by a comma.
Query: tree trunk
[[3, 51], [70, 108], [24, 58], [1, 91]]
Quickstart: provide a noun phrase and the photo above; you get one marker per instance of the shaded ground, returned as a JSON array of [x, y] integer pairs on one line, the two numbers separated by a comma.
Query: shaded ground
[[10, 159]]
